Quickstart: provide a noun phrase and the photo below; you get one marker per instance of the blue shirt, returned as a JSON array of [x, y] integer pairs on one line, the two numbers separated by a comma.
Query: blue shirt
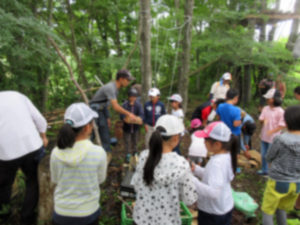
[[228, 114], [153, 112]]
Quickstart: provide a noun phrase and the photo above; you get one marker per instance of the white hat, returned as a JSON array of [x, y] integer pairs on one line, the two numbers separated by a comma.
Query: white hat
[[270, 93], [153, 92], [175, 97], [227, 76], [216, 130], [79, 114], [172, 124]]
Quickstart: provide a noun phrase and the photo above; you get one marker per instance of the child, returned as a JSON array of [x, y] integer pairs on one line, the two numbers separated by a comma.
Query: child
[[248, 128], [176, 101], [215, 201], [162, 177], [273, 122], [77, 168], [283, 184], [153, 109], [177, 111], [131, 131], [229, 113], [197, 149]]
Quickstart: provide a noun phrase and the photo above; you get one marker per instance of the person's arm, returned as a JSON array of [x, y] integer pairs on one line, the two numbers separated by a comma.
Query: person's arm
[[198, 171], [120, 109], [102, 169], [38, 119], [277, 129], [187, 189], [163, 110], [237, 118], [237, 123], [53, 169]]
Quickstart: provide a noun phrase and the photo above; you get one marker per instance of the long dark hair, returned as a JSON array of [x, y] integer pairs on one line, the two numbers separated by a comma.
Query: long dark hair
[[231, 146], [67, 136], [155, 153]]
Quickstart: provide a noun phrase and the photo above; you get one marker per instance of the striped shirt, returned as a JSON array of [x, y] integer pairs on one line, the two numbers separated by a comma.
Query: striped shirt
[[77, 173], [284, 156]]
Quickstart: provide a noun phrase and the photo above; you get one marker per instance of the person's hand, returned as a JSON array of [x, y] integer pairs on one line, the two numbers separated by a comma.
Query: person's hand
[[45, 141], [193, 166], [109, 123], [146, 128], [247, 147], [132, 117], [246, 153], [270, 132]]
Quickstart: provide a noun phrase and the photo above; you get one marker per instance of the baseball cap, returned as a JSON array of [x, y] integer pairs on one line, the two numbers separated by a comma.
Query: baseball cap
[[132, 92], [216, 130], [195, 123], [227, 76], [270, 94], [176, 97], [125, 74], [79, 114], [172, 124], [153, 92]]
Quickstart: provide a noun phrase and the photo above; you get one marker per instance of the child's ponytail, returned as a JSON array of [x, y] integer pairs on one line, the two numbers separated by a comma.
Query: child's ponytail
[[155, 153], [67, 136], [234, 148]]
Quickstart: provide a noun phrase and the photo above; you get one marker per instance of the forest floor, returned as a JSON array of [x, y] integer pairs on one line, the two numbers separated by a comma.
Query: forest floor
[[247, 181]]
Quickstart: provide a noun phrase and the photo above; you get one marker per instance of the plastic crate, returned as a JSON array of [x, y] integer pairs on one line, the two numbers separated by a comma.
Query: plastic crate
[[186, 216]]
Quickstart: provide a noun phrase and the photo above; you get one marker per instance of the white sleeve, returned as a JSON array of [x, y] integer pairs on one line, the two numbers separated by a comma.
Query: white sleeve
[[102, 169], [206, 190], [213, 88], [199, 171], [37, 117], [187, 189], [53, 169]]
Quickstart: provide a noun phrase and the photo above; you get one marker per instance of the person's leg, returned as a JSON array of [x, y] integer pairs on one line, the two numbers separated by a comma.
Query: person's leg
[[8, 171], [148, 136], [126, 136], [267, 219], [264, 150], [29, 167], [135, 140], [104, 130], [281, 217]]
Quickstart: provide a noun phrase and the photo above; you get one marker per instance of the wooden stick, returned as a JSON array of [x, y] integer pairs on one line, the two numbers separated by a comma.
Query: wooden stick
[[85, 98], [126, 204]]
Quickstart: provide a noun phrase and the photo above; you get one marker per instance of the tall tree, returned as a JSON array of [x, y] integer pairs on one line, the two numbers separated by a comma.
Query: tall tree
[[186, 49], [146, 69]]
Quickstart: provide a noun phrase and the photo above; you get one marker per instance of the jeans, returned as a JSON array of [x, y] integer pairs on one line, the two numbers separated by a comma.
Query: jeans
[[29, 166], [102, 126], [263, 150], [211, 219]]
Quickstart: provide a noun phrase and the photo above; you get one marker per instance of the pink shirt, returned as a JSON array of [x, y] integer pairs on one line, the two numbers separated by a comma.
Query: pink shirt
[[273, 118]]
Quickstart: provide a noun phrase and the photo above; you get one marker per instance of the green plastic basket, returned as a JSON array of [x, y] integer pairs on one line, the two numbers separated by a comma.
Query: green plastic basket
[[186, 216]]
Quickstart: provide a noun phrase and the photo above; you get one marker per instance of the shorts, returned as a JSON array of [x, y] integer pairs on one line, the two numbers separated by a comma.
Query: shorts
[[279, 195]]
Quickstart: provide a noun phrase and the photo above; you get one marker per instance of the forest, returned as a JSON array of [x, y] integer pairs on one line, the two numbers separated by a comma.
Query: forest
[[57, 51]]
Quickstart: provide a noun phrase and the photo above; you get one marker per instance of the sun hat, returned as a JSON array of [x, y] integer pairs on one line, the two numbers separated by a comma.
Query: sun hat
[[153, 92], [195, 123], [172, 124], [270, 94], [79, 114], [227, 76], [216, 130], [176, 98]]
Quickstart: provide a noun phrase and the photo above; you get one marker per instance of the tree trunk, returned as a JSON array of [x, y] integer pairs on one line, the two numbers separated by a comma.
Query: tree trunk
[[274, 25], [295, 28], [74, 47], [186, 48], [246, 85], [262, 35], [146, 69]]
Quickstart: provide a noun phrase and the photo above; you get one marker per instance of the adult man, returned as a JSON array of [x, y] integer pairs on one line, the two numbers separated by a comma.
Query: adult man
[[265, 85], [22, 133], [105, 96], [219, 88]]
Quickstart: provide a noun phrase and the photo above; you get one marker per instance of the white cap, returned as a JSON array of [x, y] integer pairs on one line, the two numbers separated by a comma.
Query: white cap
[[227, 76], [270, 94], [79, 114], [216, 130], [153, 92], [172, 124], [175, 97]]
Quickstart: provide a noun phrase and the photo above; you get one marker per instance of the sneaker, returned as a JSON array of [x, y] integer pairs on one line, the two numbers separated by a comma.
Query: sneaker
[[238, 170]]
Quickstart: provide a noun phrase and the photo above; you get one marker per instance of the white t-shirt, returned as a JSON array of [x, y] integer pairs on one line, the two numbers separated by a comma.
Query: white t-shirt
[[21, 125], [197, 147], [173, 182], [214, 191], [219, 91], [178, 113]]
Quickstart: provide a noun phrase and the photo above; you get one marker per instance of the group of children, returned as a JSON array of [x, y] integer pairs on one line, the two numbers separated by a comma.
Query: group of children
[[163, 177]]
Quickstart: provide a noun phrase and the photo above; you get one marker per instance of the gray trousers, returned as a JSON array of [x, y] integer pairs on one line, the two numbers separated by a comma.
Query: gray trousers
[[131, 141], [280, 217]]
